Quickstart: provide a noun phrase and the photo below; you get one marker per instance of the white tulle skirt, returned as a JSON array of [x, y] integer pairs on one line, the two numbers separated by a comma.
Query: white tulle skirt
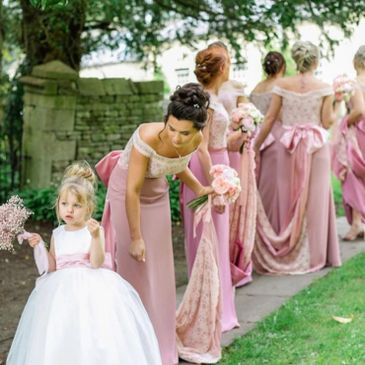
[[82, 316]]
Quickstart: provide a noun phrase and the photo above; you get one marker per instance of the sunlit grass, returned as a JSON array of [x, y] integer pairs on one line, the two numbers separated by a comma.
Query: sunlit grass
[[303, 332]]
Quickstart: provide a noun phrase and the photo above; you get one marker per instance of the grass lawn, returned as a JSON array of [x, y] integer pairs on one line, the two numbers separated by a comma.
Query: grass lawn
[[302, 331], [337, 193]]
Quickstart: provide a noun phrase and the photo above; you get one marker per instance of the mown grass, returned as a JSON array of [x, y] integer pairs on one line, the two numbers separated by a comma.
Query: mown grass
[[303, 332], [337, 193]]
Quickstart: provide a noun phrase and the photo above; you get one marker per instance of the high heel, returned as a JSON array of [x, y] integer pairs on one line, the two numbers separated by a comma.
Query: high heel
[[350, 237]]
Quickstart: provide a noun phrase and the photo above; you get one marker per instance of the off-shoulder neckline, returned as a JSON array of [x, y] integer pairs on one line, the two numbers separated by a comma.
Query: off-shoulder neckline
[[157, 154], [322, 89]]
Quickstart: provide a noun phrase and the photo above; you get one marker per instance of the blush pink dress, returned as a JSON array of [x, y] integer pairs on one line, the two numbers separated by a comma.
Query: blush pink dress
[[219, 155], [296, 226], [349, 154], [242, 214], [153, 279]]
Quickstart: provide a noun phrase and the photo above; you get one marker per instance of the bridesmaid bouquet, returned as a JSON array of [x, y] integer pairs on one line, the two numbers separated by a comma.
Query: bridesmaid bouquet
[[226, 185], [246, 117], [13, 215], [343, 88]]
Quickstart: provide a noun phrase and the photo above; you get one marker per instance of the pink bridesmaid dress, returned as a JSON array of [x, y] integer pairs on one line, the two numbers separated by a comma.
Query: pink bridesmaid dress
[[219, 155], [228, 95], [153, 279], [349, 154], [296, 225], [243, 211]]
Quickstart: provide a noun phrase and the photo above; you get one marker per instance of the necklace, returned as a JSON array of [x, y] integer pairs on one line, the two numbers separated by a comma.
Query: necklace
[[176, 151]]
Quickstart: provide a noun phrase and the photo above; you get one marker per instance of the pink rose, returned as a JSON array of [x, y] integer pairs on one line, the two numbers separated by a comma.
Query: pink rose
[[220, 185]]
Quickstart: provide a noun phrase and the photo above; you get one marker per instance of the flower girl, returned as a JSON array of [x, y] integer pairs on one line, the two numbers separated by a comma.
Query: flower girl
[[80, 313]]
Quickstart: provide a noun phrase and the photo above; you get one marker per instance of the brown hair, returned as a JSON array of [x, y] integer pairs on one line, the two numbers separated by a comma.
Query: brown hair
[[80, 180], [273, 63], [208, 63], [189, 102]]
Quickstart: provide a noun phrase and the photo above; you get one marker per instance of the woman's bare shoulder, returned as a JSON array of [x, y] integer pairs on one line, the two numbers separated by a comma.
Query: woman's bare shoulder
[[149, 132]]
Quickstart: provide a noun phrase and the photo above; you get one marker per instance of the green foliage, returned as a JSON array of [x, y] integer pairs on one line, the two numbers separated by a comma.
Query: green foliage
[[146, 28], [41, 202], [174, 199]]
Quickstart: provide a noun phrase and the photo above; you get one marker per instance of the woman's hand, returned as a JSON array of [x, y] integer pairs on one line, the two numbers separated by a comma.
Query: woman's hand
[[137, 250], [94, 227], [205, 190], [34, 240]]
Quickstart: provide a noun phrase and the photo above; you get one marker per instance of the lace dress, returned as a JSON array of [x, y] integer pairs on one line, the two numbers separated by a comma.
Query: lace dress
[[295, 234], [154, 279], [218, 152], [348, 159]]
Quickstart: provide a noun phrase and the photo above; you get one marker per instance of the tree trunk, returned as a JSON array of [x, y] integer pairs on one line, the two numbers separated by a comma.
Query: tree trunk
[[53, 34]]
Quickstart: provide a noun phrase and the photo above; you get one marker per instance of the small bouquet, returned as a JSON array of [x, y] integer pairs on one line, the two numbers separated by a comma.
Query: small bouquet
[[226, 185], [246, 117], [13, 215], [343, 88]]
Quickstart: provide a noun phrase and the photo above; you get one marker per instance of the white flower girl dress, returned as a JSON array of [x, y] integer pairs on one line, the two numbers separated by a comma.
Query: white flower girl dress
[[78, 315]]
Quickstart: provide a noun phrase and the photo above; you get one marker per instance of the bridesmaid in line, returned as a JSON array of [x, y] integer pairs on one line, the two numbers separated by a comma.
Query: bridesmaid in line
[[274, 66], [212, 70], [349, 154], [137, 212], [295, 233], [242, 212]]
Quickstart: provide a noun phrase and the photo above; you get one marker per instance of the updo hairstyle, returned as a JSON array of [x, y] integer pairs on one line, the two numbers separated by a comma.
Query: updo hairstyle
[[189, 102], [273, 63], [208, 63], [359, 58], [80, 180], [305, 54]]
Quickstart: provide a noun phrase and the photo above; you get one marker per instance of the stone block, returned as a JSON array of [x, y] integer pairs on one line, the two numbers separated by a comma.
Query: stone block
[[50, 101], [149, 87], [55, 70], [91, 86], [114, 86]]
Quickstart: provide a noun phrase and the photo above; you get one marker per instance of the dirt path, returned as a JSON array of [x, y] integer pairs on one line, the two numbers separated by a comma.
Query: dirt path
[[18, 273]]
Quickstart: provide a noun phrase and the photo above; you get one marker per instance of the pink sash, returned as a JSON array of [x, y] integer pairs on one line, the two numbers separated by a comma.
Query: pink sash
[[301, 141], [243, 220], [104, 169], [198, 326]]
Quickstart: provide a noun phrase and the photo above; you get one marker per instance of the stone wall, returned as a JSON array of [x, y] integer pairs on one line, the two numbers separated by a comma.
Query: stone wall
[[68, 118]]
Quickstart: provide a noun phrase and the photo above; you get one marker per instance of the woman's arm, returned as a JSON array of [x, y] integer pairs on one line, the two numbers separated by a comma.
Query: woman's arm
[[188, 178], [328, 114], [357, 107], [203, 153], [270, 117], [97, 248], [137, 168]]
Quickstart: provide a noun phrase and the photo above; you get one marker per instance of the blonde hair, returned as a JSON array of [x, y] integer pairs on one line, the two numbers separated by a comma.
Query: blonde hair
[[79, 179], [359, 58], [305, 54]]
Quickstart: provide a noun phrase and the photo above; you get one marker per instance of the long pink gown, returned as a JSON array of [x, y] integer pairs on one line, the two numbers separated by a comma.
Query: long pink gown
[[296, 226], [153, 279], [243, 212], [349, 154], [219, 155]]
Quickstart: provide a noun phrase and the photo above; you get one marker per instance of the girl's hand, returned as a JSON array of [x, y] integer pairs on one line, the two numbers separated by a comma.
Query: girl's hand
[[34, 239], [94, 227], [137, 250]]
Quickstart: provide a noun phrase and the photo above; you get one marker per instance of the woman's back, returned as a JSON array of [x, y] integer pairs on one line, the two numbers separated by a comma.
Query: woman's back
[[302, 99]]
